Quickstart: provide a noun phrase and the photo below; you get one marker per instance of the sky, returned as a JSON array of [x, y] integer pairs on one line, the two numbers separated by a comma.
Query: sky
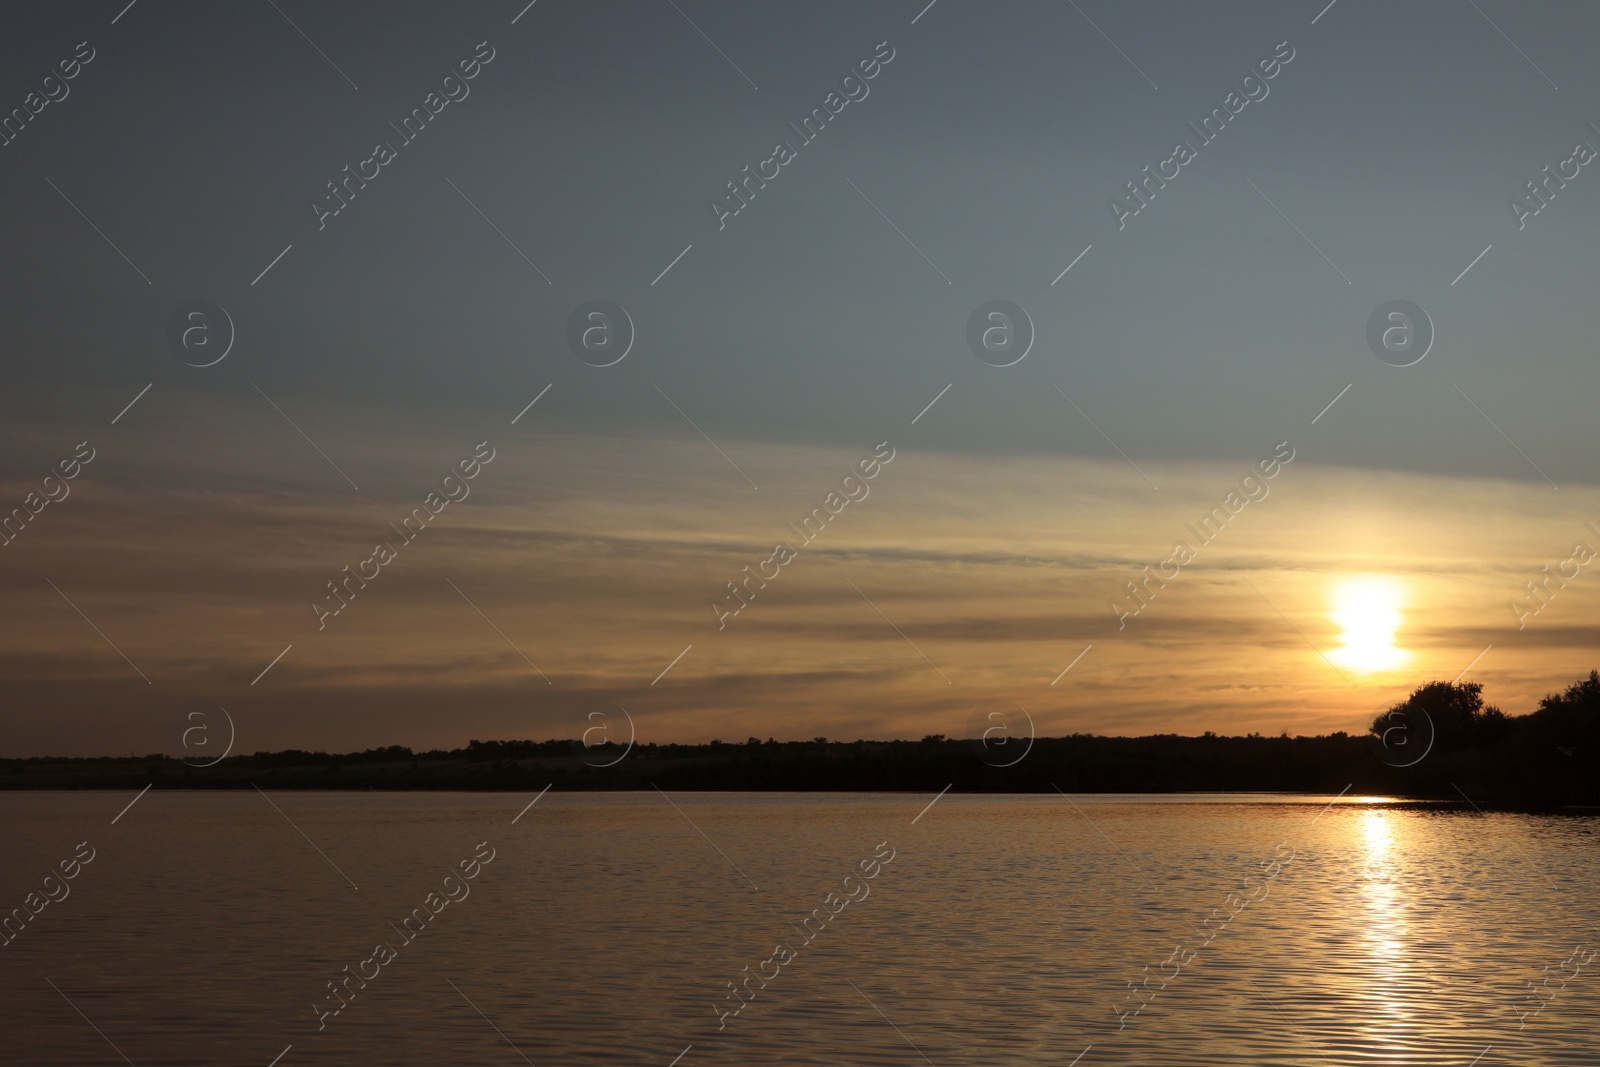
[[575, 153]]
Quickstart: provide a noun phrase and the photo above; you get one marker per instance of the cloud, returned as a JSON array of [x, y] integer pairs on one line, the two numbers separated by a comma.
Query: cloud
[[597, 557]]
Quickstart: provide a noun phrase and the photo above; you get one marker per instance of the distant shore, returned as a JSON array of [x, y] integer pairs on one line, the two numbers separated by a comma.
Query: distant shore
[[1508, 776]]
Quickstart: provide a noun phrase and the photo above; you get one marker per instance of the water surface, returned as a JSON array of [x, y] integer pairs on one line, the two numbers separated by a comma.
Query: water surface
[[608, 926]]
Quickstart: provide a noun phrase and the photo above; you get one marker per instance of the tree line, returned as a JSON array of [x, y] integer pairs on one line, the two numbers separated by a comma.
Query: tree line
[[1441, 742]]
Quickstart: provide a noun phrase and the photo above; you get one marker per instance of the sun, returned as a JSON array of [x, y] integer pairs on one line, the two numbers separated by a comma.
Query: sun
[[1367, 609]]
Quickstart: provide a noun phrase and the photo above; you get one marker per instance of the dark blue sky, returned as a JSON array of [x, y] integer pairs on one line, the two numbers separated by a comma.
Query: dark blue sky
[[994, 139]]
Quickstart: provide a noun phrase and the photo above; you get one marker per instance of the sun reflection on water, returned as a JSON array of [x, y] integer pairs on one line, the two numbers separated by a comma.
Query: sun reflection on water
[[1387, 966], [1386, 922]]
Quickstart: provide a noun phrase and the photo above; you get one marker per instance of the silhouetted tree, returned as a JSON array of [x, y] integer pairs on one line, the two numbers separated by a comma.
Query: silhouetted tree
[[1456, 710], [1570, 720]]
